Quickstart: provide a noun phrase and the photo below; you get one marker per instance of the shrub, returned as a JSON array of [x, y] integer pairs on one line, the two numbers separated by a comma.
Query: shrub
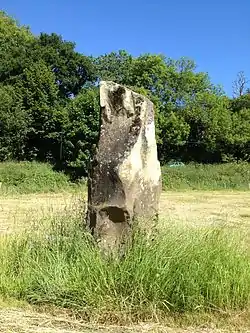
[[30, 177], [207, 177]]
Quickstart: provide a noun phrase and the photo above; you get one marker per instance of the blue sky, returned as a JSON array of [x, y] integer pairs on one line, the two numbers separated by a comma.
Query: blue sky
[[216, 34]]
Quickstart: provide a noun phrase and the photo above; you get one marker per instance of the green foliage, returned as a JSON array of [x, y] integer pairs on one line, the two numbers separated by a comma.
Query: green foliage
[[193, 116], [241, 132], [49, 108], [243, 102], [71, 69], [31, 177], [210, 122], [229, 176], [174, 133], [14, 121], [114, 67], [15, 45], [182, 270], [239, 146], [39, 177], [45, 72], [149, 71], [81, 132], [40, 92]]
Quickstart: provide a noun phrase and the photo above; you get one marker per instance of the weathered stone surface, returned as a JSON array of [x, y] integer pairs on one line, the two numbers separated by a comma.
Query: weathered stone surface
[[125, 179]]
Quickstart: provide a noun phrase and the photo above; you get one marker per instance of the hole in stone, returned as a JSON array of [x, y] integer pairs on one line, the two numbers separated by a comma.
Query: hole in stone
[[115, 214]]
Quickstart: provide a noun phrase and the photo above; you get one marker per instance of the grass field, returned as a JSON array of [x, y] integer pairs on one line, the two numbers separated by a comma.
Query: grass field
[[193, 208]]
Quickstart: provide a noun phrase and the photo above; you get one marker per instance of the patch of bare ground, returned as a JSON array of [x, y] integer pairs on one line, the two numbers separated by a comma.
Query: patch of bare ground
[[28, 321]]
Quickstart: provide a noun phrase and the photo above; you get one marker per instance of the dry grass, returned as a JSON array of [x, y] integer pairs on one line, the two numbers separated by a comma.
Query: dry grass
[[194, 208], [198, 208], [31, 321], [17, 209]]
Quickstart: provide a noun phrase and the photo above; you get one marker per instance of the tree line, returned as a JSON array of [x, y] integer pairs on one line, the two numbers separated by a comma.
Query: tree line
[[49, 102]]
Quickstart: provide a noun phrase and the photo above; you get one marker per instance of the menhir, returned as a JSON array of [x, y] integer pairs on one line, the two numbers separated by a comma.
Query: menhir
[[125, 179]]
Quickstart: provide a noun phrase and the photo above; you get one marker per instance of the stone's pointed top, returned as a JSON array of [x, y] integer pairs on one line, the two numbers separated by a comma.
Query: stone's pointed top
[[112, 87], [109, 84]]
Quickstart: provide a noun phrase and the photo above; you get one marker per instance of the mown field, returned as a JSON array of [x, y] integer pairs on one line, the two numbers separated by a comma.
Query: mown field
[[193, 275], [193, 208]]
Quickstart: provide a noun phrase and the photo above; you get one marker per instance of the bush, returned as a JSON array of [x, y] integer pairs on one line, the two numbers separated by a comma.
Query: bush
[[31, 177], [181, 270], [207, 177]]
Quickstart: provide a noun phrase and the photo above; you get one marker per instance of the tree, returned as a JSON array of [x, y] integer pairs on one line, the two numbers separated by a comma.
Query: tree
[[14, 122], [239, 146], [174, 132], [114, 67], [15, 45], [47, 72], [71, 69], [241, 102], [19, 49], [81, 132], [40, 99], [240, 85], [210, 123]]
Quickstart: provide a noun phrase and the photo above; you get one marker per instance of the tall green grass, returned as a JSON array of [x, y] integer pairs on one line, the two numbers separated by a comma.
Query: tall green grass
[[180, 270], [229, 176], [34, 177], [31, 177]]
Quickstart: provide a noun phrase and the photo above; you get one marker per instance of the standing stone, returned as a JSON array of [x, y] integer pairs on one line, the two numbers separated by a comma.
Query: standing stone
[[125, 178]]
